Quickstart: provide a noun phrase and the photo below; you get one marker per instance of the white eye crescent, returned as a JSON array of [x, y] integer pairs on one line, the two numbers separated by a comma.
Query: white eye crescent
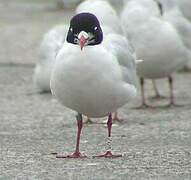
[[95, 28], [76, 41], [71, 29]]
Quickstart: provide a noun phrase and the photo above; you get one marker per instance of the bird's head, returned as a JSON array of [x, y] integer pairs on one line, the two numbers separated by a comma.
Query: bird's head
[[84, 30]]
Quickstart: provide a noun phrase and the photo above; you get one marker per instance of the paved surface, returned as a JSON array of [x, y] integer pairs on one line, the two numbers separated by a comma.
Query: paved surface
[[22, 26], [155, 143]]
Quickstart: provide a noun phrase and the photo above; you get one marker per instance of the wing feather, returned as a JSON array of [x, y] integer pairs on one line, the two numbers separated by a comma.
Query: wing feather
[[122, 49]]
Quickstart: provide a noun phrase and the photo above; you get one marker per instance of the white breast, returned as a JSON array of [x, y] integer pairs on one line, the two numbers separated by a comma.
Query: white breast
[[89, 81]]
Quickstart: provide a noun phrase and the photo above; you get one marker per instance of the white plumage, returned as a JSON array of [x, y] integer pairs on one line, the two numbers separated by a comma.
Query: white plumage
[[173, 14], [185, 6], [103, 10], [155, 40]]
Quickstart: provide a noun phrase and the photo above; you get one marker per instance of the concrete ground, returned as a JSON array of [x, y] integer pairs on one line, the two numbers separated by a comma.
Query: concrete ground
[[155, 143]]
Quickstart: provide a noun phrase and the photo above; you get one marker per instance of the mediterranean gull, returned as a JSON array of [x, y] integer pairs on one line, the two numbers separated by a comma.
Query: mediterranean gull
[[157, 42], [89, 77]]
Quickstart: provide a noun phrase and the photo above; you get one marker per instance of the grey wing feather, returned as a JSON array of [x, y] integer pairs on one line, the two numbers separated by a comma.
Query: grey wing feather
[[125, 54]]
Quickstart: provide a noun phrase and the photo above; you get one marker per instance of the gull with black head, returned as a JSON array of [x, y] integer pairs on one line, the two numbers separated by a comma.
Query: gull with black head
[[93, 75]]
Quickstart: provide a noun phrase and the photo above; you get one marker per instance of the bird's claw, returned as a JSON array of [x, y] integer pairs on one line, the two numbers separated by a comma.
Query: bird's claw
[[108, 154], [172, 104], [144, 106], [74, 155]]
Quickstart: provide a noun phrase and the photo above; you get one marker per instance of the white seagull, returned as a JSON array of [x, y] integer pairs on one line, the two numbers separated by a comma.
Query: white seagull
[[92, 75], [172, 13], [156, 41]]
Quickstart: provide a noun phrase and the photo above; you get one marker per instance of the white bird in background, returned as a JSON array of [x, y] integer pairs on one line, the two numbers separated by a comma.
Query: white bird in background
[[51, 44], [110, 81], [156, 41], [104, 11], [147, 8], [172, 13]]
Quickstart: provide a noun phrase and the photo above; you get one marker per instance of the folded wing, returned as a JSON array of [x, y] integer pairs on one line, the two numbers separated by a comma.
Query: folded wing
[[122, 49]]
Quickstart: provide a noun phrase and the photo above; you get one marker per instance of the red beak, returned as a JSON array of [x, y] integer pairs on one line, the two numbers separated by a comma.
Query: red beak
[[83, 41]]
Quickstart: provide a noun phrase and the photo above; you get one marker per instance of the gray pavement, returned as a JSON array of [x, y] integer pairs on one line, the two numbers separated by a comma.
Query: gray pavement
[[22, 25], [155, 143]]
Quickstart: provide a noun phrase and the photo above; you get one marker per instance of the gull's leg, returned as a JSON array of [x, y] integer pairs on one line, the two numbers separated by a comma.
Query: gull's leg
[[108, 153], [142, 81], [143, 105], [76, 153], [170, 80], [116, 117], [172, 103]]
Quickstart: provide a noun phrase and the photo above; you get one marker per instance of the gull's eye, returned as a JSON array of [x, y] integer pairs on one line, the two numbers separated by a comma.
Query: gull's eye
[[95, 28]]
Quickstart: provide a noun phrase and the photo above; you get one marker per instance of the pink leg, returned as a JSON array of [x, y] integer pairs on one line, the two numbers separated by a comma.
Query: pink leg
[[172, 102], [77, 153], [144, 104], [108, 153]]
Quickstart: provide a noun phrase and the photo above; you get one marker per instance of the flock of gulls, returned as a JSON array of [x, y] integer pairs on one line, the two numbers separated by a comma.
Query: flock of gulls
[[93, 65]]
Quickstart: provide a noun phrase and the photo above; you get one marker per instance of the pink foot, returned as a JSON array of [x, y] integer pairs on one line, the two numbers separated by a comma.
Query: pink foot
[[144, 106], [172, 104], [74, 155], [109, 154]]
